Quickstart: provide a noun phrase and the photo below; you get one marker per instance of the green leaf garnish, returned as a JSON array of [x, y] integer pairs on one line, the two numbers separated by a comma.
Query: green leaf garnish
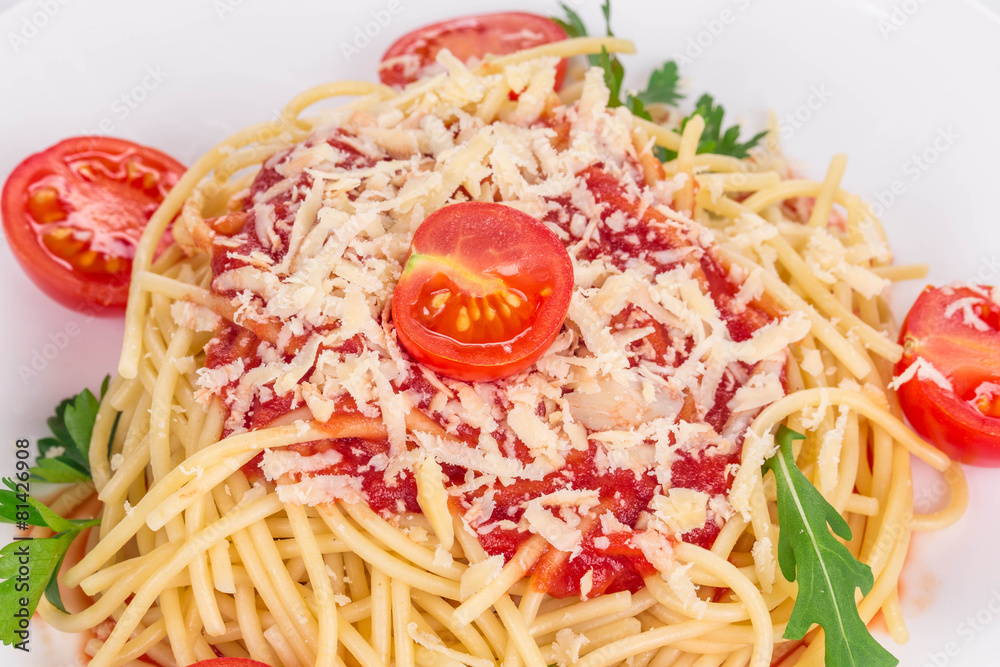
[[828, 574], [65, 457], [29, 567], [714, 139], [571, 23], [662, 86]]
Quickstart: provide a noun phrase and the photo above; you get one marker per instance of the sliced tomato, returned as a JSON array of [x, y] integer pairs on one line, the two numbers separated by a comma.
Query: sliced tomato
[[953, 399], [73, 215], [470, 39], [484, 292], [229, 662]]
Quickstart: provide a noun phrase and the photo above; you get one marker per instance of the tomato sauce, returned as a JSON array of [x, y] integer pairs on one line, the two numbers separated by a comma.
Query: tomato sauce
[[613, 562]]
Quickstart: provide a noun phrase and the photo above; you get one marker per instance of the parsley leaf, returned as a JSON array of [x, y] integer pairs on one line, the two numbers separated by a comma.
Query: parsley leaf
[[827, 572], [662, 86], [714, 139], [571, 23], [64, 457], [29, 567]]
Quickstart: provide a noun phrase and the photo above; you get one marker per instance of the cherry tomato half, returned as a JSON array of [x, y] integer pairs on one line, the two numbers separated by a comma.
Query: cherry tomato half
[[229, 662], [957, 331], [74, 213], [484, 292], [468, 38]]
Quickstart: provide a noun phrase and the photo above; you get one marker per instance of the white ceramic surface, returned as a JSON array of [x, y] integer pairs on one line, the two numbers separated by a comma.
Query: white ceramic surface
[[907, 88]]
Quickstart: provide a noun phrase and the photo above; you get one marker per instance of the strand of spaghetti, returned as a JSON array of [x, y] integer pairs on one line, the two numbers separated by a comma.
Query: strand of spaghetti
[[602, 636], [790, 189], [381, 615], [749, 596], [514, 570], [401, 611], [959, 492], [641, 601], [160, 416], [727, 612], [562, 49], [528, 608], [843, 462], [900, 272], [177, 637], [801, 273], [320, 582], [249, 620], [379, 558], [667, 138], [231, 453], [282, 635], [104, 423], [150, 589], [143, 642], [737, 181], [823, 205], [283, 648], [202, 584], [309, 97], [821, 327], [282, 579], [135, 314], [211, 465], [442, 612], [645, 641], [509, 616], [395, 540], [898, 512], [359, 647], [783, 407], [117, 592], [599, 607], [690, 137]]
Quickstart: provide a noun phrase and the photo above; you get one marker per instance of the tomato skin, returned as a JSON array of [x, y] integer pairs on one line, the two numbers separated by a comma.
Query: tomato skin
[[506, 281], [74, 213], [229, 662], [969, 359], [468, 37]]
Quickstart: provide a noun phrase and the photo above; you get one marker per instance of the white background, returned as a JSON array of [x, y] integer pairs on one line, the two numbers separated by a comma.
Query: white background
[[880, 80]]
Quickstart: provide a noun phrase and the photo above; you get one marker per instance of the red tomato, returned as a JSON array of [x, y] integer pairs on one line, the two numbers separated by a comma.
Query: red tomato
[[229, 662], [957, 331], [74, 213], [468, 38], [484, 292]]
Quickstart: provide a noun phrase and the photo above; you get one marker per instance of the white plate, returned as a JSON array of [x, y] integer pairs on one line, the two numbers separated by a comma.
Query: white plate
[[906, 88]]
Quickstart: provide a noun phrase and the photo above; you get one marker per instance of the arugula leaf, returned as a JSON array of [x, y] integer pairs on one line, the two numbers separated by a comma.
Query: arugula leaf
[[713, 139], [65, 457], [827, 572]]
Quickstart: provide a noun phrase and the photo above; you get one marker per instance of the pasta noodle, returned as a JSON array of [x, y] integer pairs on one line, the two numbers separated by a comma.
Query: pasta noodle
[[198, 552]]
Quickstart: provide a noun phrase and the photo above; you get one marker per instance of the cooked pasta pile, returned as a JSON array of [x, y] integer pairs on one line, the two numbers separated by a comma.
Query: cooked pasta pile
[[263, 397]]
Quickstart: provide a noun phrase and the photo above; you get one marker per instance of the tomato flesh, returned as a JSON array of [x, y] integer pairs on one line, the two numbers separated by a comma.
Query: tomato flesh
[[957, 331], [74, 214], [229, 662], [470, 39], [484, 292]]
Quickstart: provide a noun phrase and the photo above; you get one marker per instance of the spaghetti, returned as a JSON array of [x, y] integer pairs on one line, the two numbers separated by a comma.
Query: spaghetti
[[285, 484]]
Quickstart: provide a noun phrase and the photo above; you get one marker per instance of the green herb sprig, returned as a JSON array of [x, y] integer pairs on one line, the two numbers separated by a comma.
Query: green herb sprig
[[828, 574], [663, 87], [29, 566]]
